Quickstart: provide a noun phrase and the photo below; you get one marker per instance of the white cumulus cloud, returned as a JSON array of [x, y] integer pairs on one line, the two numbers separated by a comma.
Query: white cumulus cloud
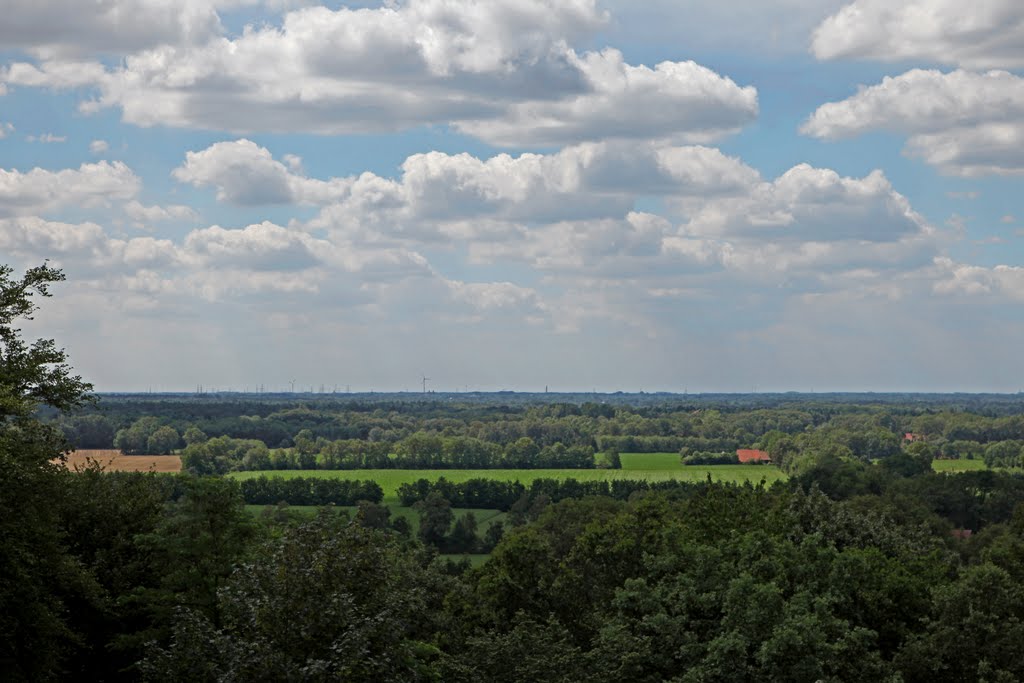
[[675, 100], [245, 173], [146, 215], [981, 34], [40, 190], [68, 27], [505, 71], [962, 122]]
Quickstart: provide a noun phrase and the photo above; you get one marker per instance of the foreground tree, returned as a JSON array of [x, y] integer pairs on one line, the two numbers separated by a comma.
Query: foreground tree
[[196, 544], [435, 519], [329, 601], [38, 577]]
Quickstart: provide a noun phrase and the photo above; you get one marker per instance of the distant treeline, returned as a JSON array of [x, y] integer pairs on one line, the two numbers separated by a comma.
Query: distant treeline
[[278, 423], [422, 435], [419, 452]]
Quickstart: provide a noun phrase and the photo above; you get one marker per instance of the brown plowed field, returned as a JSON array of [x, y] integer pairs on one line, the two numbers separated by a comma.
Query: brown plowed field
[[112, 460]]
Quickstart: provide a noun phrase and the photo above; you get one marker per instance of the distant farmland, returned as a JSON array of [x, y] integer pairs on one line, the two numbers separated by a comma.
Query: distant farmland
[[114, 461], [636, 466], [390, 480]]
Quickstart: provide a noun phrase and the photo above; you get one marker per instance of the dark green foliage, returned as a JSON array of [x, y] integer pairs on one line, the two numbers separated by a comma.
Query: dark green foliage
[[329, 601], [40, 581], [88, 431], [906, 465], [505, 495], [729, 584], [435, 519], [373, 515], [104, 516], [463, 537], [529, 651], [475, 493], [974, 631], [195, 544], [312, 491], [492, 537]]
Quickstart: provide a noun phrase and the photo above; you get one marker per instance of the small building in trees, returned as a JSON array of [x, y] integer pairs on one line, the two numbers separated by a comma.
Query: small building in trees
[[749, 456]]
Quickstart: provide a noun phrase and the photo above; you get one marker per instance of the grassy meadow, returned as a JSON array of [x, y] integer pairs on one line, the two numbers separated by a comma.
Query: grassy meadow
[[958, 465], [647, 462]]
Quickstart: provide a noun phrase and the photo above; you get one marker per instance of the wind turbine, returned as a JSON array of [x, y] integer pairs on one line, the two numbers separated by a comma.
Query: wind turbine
[[425, 380]]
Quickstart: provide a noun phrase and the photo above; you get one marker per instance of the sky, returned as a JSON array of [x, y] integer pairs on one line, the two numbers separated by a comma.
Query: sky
[[674, 195]]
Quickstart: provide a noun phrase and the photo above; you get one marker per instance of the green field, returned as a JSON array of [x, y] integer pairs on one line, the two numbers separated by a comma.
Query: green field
[[958, 465], [650, 461], [390, 480]]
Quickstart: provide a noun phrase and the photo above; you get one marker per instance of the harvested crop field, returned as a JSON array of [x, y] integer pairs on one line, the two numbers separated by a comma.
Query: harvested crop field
[[114, 461]]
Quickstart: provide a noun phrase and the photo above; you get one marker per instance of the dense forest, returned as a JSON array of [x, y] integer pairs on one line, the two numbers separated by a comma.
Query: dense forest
[[863, 565], [217, 434]]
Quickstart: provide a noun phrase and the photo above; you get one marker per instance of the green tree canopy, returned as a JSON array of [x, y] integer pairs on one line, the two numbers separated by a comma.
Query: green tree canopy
[[38, 577]]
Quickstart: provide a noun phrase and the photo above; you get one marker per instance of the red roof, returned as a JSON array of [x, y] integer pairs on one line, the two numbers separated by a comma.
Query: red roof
[[752, 455]]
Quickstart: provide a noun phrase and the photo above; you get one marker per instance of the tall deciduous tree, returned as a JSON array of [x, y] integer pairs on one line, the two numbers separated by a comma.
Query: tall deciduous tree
[[435, 518], [38, 577]]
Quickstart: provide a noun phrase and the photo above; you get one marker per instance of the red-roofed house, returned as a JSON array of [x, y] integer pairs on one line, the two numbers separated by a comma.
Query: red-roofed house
[[752, 455], [911, 436]]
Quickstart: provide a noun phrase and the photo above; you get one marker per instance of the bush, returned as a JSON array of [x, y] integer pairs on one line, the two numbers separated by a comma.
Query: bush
[[709, 458]]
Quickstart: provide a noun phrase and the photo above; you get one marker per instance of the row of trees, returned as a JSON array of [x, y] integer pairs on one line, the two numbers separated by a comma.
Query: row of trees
[[223, 454], [506, 495], [309, 491]]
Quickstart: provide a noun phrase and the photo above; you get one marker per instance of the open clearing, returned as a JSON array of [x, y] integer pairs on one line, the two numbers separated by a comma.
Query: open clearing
[[114, 461], [958, 465], [650, 461], [390, 480]]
